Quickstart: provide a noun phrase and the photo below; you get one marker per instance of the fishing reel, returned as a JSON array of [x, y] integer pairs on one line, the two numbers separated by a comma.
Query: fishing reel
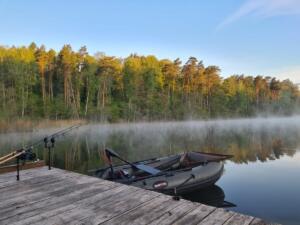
[[30, 156], [27, 155]]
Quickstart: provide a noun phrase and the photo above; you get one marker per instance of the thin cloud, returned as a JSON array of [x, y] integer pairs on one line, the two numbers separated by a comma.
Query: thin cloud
[[291, 73], [263, 8]]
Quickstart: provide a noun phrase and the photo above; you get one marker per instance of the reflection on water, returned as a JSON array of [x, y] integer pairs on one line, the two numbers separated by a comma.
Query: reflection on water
[[268, 190], [213, 196], [262, 178]]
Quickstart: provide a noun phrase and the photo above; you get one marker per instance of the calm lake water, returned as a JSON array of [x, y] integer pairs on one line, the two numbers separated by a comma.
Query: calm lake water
[[262, 180]]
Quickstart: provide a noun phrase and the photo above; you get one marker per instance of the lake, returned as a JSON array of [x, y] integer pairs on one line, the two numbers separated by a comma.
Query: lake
[[262, 179]]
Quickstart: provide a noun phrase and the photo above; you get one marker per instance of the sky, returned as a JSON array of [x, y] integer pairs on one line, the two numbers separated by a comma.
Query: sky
[[251, 37]]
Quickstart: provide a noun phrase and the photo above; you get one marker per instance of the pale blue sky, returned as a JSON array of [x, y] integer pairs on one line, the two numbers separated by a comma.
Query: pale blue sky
[[241, 36]]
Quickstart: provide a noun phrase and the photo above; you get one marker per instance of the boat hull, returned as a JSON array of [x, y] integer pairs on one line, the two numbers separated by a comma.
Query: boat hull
[[184, 181], [198, 170]]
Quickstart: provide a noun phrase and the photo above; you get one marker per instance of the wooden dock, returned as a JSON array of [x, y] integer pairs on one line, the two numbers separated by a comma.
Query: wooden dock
[[62, 197]]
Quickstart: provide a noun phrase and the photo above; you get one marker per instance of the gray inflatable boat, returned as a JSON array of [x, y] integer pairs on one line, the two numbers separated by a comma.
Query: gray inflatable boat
[[174, 174]]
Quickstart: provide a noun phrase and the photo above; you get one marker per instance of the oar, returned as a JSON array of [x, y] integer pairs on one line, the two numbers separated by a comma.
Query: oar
[[143, 167]]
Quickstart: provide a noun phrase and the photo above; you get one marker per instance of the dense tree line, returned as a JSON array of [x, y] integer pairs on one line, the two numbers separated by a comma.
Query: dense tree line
[[40, 83]]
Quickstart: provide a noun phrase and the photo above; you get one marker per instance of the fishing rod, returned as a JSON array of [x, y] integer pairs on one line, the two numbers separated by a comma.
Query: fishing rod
[[17, 152], [11, 156], [55, 135], [22, 150], [25, 153], [49, 141]]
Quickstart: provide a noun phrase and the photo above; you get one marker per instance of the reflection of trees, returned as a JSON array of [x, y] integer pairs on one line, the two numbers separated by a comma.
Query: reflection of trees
[[252, 145], [82, 151], [246, 144], [259, 145]]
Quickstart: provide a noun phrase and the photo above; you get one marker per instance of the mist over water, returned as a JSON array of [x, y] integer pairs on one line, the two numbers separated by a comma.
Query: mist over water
[[262, 179], [247, 139]]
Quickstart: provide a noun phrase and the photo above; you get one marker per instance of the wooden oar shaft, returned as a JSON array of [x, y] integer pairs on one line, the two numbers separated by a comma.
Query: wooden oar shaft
[[11, 157]]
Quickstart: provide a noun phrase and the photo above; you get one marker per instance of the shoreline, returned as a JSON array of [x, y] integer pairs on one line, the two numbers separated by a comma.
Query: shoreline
[[26, 125]]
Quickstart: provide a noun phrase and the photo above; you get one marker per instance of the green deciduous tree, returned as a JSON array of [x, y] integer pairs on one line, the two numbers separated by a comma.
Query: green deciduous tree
[[36, 83]]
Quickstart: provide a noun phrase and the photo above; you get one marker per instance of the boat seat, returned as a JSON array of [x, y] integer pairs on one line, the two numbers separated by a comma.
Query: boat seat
[[148, 169], [165, 164]]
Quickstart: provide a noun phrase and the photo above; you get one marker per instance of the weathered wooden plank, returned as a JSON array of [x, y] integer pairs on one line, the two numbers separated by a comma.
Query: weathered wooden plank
[[258, 221], [27, 187], [12, 178], [90, 210], [25, 173], [217, 217], [24, 198], [239, 219], [81, 208], [63, 197], [41, 194], [34, 201], [11, 181], [56, 173], [32, 184], [26, 166], [145, 213], [55, 200], [38, 192], [35, 182], [176, 213], [196, 215]]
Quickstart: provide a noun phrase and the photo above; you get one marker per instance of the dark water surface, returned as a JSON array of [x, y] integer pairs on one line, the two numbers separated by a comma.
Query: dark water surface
[[262, 180]]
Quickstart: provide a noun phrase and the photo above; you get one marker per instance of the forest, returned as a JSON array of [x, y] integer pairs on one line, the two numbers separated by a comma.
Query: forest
[[36, 83]]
